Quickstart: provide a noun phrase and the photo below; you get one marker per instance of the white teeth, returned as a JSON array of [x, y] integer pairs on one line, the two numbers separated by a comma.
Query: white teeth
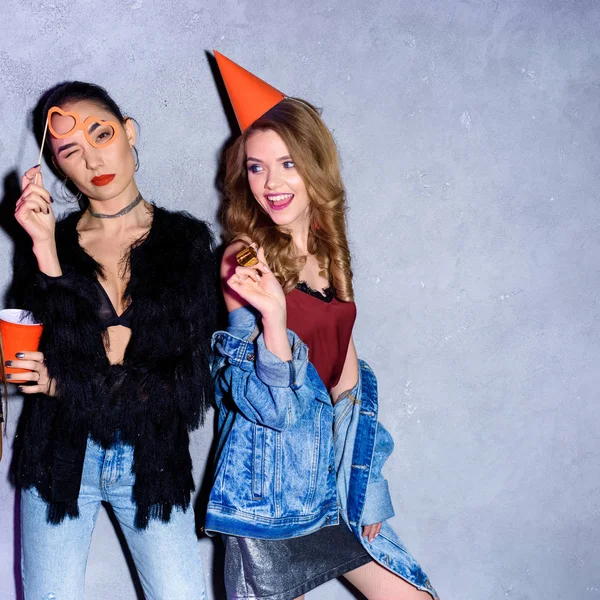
[[279, 197]]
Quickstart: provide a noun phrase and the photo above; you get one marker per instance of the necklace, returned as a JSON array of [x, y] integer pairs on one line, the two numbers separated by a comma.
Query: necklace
[[122, 212]]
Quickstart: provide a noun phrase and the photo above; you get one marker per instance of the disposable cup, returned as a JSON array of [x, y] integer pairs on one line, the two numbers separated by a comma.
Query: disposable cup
[[19, 332]]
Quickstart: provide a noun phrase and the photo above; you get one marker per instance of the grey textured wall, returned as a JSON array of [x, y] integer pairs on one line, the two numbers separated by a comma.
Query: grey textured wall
[[469, 135]]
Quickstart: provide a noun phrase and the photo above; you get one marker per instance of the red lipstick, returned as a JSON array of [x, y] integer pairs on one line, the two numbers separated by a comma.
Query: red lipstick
[[103, 179]]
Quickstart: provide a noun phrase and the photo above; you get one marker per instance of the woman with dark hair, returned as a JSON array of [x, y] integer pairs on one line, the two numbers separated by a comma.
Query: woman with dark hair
[[125, 292], [298, 491]]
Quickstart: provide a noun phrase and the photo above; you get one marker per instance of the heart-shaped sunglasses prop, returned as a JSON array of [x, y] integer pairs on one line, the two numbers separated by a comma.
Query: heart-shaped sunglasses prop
[[98, 132]]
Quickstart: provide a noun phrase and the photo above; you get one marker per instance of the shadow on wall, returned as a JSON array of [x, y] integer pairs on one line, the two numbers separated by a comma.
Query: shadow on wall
[[17, 545], [215, 579], [15, 294], [14, 297]]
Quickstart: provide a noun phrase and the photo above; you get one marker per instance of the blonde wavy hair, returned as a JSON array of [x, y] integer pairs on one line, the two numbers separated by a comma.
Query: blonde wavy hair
[[314, 153]]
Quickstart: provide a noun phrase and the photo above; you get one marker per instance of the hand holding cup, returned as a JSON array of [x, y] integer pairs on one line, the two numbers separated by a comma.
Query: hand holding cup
[[31, 367], [20, 336]]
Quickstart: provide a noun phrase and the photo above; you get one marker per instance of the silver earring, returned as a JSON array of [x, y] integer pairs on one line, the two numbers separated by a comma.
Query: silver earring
[[66, 193], [136, 158]]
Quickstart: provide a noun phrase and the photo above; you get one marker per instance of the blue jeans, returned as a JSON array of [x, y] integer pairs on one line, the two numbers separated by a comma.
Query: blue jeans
[[54, 557]]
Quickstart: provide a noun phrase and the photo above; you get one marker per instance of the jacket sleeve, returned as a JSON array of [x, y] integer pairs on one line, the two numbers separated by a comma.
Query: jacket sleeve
[[265, 389], [191, 380], [63, 305], [378, 502]]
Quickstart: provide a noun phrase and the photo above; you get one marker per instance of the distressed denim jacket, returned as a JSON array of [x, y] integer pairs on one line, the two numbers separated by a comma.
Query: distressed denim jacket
[[287, 461], [363, 492]]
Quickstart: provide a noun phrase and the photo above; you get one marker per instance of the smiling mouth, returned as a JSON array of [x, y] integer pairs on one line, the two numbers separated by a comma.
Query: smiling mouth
[[279, 201], [103, 179]]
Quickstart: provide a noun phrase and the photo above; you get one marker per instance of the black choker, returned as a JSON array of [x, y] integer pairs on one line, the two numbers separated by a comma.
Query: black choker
[[122, 212]]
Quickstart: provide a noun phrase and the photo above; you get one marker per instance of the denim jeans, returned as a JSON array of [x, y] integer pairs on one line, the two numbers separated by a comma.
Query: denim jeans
[[54, 557]]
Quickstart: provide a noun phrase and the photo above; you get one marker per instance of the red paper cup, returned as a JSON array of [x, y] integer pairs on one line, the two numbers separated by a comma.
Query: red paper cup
[[20, 333]]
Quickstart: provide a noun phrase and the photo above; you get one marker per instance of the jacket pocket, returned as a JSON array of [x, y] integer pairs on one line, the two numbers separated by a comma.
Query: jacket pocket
[[314, 463], [258, 460]]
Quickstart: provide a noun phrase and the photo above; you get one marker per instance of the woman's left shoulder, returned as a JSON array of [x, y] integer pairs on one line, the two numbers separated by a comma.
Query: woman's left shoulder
[[181, 217], [183, 226]]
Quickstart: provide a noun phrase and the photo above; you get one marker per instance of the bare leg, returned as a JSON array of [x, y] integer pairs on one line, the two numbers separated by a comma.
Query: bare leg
[[377, 583]]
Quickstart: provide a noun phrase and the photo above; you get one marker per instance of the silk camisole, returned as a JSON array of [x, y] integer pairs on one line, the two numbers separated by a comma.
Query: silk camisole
[[324, 324]]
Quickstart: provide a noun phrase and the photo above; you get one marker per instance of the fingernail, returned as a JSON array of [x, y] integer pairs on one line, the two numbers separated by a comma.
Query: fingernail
[[48, 211], [20, 388], [8, 363], [20, 355], [36, 166], [8, 376], [51, 200]]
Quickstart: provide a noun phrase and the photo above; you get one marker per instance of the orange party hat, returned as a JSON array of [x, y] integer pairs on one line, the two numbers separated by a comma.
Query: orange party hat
[[250, 96]]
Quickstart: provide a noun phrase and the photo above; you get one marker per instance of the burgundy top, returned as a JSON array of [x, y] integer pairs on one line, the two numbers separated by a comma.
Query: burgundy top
[[324, 324]]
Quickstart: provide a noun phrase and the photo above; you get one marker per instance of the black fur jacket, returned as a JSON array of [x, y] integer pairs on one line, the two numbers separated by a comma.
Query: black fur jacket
[[153, 399]]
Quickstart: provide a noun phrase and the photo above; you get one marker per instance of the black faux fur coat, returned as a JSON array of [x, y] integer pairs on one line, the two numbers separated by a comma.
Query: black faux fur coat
[[154, 398]]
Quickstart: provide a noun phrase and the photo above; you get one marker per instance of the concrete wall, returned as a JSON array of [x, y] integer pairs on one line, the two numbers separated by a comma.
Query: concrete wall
[[469, 135]]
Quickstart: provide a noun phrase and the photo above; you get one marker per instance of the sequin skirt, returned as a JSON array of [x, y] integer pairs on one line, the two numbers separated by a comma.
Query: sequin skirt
[[285, 569]]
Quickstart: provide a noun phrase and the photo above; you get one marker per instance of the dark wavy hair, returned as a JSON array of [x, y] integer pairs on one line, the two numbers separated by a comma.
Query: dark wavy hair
[[64, 93]]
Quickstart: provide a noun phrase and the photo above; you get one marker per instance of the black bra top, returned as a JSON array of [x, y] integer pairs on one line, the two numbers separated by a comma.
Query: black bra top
[[327, 295], [107, 313]]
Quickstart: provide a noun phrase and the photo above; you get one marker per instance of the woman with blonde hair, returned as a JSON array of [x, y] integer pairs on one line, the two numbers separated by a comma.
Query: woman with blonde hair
[[298, 492]]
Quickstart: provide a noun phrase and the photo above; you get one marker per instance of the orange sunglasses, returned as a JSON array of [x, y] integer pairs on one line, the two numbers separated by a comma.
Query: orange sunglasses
[[98, 132]]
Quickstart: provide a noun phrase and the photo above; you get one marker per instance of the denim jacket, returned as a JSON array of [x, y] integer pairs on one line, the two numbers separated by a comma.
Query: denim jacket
[[363, 492], [287, 461]]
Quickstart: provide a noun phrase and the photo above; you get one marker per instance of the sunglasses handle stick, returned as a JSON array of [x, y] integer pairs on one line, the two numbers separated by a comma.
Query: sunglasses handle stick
[[41, 150]]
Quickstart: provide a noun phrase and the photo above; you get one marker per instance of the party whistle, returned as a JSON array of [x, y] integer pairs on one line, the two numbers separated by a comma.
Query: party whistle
[[247, 257]]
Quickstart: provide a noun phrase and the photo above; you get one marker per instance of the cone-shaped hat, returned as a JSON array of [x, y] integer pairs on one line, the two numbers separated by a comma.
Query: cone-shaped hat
[[250, 96]]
